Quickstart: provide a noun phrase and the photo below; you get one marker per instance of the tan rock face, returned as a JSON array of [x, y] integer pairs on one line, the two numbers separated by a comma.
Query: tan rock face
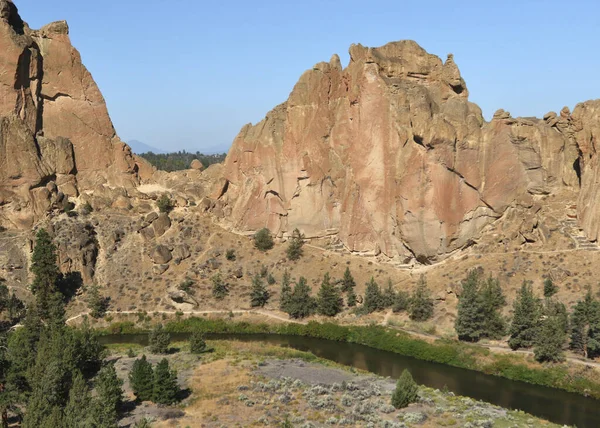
[[389, 154], [53, 121]]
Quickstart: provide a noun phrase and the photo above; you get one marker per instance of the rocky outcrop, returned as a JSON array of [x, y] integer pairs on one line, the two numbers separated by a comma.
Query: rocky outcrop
[[390, 155], [54, 125]]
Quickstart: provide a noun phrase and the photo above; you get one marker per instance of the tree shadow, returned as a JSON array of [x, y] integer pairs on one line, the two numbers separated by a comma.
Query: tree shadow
[[69, 284]]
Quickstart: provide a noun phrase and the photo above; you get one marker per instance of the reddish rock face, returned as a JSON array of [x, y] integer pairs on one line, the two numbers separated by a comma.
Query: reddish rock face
[[389, 154], [54, 125]]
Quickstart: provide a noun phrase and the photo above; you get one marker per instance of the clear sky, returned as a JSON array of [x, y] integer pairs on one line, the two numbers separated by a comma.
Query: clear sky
[[187, 74]]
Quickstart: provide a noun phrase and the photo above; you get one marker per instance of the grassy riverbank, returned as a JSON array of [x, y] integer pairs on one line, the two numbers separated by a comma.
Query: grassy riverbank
[[581, 380]]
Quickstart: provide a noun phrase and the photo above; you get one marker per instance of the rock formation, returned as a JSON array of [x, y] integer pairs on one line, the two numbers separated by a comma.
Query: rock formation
[[390, 155], [54, 125]]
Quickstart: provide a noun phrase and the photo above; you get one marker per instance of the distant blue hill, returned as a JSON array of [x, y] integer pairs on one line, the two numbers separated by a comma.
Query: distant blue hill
[[138, 147]]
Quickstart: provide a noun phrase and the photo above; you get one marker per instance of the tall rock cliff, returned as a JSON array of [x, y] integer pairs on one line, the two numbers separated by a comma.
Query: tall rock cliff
[[56, 137], [390, 155]]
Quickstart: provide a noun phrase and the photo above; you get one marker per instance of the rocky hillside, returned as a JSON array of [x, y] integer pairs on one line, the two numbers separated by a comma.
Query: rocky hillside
[[389, 155]]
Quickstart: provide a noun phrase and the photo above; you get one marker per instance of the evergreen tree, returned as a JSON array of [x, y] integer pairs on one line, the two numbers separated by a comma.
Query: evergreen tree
[[141, 379], [294, 250], [406, 391], [330, 300], [421, 304], [159, 340], [585, 327], [165, 204], [525, 324], [263, 240], [286, 291], [46, 276], [197, 343], [351, 298], [549, 288], [219, 288], [97, 304], [88, 351], [165, 384], [259, 296], [388, 296], [348, 281], [373, 298], [15, 309], [470, 318], [301, 303], [76, 412], [550, 340], [109, 397], [493, 300], [401, 302]]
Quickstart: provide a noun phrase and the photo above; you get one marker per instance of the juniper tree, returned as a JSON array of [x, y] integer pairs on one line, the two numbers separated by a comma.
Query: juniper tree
[[470, 318], [263, 239], [526, 317], [401, 302], [351, 298], [406, 391], [388, 296], [294, 250], [550, 340], [97, 303], [219, 288], [165, 388], [286, 291], [109, 397], [330, 300], [373, 298], [585, 327], [348, 281], [46, 276], [141, 379], [197, 343], [421, 304], [159, 340], [301, 303], [259, 296], [493, 300], [549, 288], [76, 412]]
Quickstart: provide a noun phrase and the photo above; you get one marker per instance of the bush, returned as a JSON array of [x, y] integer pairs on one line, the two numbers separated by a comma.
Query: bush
[[219, 289], [97, 304], [259, 296], [165, 204], [405, 392], [197, 343], [401, 301], [159, 340], [86, 208], [230, 255], [263, 240], [187, 286]]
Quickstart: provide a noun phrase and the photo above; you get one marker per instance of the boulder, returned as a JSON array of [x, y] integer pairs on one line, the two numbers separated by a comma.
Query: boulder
[[197, 165], [161, 224], [161, 255]]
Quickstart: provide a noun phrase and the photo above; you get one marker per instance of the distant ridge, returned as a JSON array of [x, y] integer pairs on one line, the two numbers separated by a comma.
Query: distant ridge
[[138, 147]]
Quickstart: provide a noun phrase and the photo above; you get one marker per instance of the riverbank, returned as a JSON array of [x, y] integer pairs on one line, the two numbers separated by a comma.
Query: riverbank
[[520, 367], [244, 383]]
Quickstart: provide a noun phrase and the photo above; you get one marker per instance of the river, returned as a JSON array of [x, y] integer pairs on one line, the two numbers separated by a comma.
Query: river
[[552, 404]]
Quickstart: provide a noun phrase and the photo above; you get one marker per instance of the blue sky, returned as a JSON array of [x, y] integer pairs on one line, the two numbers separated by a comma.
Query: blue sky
[[186, 74]]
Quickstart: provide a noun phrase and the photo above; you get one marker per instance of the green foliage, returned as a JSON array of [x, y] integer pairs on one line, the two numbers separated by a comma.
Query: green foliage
[[348, 282], [550, 340], [526, 317], [421, 304], [479, 306], [159, 340], [330, 302], [373, 298], [286, 291], [401, 302], [86, 209], [165, 384], [181, 160], [585, 327], [88, 352], [263, 240], [187, 285], [271, 279], [549, 288], [230, 254], [351, 298], [197, 343], [301, 304], [109, 397], [294, 250], [388, 297], [97, 304], [406, 391], [165, 204], [76, 412], [219, 288], [141, 379], [46, 275], [259, 296]]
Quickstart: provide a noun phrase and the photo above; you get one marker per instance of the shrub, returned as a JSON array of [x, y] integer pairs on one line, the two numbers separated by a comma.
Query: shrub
[[259, 295], [401, 301], [165, 204], [230, 255], [263, 239], [294, 250], [197, 343], [405, 392], [549, 288], [86, 209], [219, 288], [159, 340], [97, 304], [187, 286]]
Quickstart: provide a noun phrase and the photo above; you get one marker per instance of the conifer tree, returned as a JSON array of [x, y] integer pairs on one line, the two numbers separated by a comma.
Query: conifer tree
[[294, 250], [550, 340], [46, 276], [141, 379], [406, 391], [388, 296], [259, 296], [330, 300], [219, 288], [493, 300], [585, 327], [401, 302], [348, 281], [165, 384], [286, 291], [351, 298], [301, 303], [549, 288], [526, 317], [421, 304], [96, 303], [263, 240], [159, 340], [197, 343], [76, 412], [109, 397], [470, 318], [373, 298]]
